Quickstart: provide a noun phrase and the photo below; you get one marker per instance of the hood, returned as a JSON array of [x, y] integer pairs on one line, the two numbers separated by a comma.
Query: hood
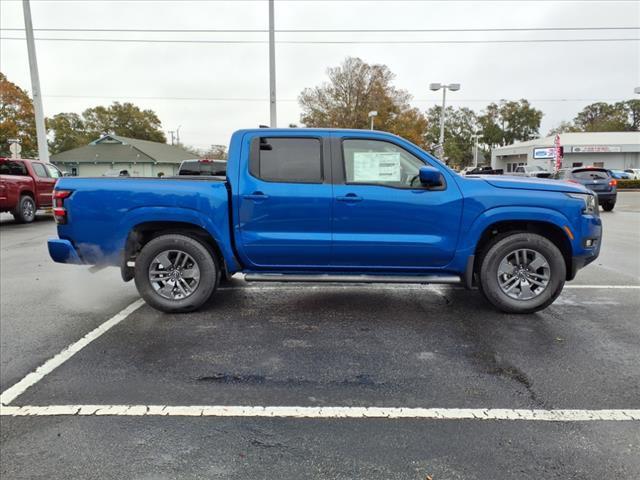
[[532, 183]]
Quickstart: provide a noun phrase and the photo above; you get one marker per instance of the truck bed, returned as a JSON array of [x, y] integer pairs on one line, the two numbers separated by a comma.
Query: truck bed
[[102, 211]]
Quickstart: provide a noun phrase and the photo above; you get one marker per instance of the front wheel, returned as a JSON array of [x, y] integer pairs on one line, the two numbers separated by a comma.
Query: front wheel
[[176, 273], [522, 273]]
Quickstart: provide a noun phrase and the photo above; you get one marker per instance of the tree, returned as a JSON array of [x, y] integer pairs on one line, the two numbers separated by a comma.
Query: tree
[[604, 117], [17, 119], [459, 128], [509, 122], [354, 89], [71, 130]]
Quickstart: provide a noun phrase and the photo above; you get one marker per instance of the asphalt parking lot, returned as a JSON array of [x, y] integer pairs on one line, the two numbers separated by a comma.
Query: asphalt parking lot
[[313, 347]]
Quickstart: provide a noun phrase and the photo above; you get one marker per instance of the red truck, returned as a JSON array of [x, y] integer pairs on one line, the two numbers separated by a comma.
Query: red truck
[[26, 186]]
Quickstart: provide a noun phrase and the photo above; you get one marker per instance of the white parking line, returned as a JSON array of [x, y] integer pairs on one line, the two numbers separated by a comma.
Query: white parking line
[[50, 365], [325, 412]]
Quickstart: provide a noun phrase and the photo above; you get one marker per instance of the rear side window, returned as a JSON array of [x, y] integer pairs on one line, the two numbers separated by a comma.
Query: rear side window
[[40, 170], [190, 167], [13, 168], [288, 160], [590, 174]]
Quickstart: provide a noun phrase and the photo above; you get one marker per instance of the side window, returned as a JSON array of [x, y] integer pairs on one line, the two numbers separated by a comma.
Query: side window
[[379, 162], [190, 167], [13, 168], [520, 170], [40, 170], [53, 171], [288, 160]]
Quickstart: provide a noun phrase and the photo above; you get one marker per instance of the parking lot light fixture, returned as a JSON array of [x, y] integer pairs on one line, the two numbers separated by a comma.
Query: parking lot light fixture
[[372, 114], [454, 87]]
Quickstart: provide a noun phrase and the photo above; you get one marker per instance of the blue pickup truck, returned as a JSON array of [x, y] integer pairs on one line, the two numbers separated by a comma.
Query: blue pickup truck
[[328, 205]]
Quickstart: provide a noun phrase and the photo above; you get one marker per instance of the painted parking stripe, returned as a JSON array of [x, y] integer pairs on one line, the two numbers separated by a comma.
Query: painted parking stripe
[[324, 412], [50, 365]]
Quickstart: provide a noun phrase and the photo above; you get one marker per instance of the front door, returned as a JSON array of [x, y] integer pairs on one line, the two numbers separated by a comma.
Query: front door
[[44, 184], [383, 218], [285, 196]]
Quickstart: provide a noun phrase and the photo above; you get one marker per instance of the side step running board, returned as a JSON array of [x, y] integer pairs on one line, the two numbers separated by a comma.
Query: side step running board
[[325, 278]]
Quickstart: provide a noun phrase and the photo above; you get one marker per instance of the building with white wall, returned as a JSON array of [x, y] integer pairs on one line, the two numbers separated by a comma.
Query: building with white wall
[[612, 150], [113, 153]]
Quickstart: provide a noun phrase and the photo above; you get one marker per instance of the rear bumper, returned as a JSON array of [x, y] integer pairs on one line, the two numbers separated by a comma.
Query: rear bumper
[[604, 197], [62, 251]]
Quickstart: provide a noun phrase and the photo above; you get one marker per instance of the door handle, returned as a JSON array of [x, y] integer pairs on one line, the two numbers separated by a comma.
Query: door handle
[[349, 197], [256, 196]]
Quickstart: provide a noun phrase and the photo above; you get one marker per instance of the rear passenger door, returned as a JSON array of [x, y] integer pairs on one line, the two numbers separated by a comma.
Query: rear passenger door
[[284, 202]]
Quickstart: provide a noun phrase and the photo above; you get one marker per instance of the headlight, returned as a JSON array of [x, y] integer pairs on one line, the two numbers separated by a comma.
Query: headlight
[[590, 202]]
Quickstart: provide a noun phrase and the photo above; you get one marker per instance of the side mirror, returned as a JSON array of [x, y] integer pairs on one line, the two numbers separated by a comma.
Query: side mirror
[[430, 177]]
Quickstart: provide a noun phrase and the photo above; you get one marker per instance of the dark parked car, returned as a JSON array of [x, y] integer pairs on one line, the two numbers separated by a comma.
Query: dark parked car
[[598, 180], [216, 168]]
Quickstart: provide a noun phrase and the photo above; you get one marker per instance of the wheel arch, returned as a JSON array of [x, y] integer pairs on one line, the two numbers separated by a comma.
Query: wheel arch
[[142, 233], [546, 229]]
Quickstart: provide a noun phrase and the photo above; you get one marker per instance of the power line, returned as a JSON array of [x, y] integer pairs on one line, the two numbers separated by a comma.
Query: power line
[[327, 30], [258, 99], [332, 42]]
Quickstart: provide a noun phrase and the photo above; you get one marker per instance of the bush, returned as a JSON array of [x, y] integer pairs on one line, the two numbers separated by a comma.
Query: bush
[[622, 184]]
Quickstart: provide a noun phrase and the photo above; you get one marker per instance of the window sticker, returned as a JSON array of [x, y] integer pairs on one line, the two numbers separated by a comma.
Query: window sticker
[[376, 167]]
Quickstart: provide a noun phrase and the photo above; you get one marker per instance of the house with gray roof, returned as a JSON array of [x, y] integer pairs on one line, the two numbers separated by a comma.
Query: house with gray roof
[[111, 154]]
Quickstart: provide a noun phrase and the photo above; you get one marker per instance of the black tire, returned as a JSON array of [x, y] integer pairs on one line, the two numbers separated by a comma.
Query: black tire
[[500, 248], [608, 206], [25, 212], [204, 258]]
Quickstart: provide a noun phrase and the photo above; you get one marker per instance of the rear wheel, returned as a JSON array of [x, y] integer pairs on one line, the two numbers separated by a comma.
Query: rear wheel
[[26, 210], [608, 206], [176, 273], [522, 273]]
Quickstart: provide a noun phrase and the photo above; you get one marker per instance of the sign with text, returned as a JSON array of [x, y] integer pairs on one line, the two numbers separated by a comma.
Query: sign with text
[[546, 152], [376, 167], [595, 149]]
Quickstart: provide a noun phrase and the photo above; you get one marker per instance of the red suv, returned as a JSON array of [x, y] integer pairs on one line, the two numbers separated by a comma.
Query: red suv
[[26, 186]]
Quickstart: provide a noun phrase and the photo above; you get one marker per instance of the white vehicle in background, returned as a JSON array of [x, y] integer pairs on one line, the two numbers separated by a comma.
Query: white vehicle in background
[[531, 171], [634, 172]]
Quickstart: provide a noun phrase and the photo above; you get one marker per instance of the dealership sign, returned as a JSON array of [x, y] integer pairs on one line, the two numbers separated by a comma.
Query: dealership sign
[[595, 149], [547, 152]]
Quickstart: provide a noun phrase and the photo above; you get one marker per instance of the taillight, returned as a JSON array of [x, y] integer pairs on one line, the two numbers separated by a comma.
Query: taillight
[[613, 182], [59, 212]]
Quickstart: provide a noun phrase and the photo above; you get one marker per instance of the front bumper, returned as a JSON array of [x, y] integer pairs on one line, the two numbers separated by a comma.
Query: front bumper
[[583, 254], [62, 251]]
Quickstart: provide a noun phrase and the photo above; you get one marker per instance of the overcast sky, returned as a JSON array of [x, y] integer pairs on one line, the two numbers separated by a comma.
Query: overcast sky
[[185, 80]]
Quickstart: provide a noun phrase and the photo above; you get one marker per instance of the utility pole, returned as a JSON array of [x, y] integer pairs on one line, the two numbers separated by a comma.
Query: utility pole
[[178, 135], [171, 132], [272, 69], [41, 132]]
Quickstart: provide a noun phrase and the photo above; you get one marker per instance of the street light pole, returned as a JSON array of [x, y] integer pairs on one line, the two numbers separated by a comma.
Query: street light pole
[[272, 68], [435, 87], [41, 132], [372, 114], [475, 153]]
